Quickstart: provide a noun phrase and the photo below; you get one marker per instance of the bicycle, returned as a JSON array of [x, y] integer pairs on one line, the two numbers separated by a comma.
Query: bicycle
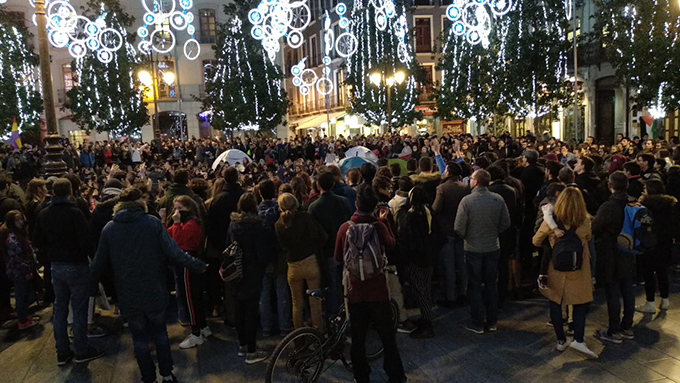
[[301, 355]]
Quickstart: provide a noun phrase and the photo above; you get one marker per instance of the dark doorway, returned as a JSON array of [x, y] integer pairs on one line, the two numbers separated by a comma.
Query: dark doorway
[[605, 100], [173, 125]]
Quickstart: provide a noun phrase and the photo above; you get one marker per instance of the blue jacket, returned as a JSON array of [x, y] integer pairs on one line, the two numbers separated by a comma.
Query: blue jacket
[[344, 190], [139, 249], [87, 159]]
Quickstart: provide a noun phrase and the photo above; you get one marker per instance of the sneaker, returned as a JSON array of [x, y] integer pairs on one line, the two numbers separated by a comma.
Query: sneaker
[[206, 332], [628, 334], [647, 308], [475, 329], [562, 345], [242, 351], [91, 354], [96, 332], [30, 322], [191, 341], [665, 303], [583, 349], [406, 327], [422, 333], [169, 379], [257, 356], [493, 328], [606, 336], [63, 359]]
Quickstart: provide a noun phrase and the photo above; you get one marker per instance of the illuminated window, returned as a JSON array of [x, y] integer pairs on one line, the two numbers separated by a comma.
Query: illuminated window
[[165, 73], [68, 76]]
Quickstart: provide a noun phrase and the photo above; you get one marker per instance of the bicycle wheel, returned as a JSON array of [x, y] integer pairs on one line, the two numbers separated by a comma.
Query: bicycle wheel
[[299, 358], [374, 346]]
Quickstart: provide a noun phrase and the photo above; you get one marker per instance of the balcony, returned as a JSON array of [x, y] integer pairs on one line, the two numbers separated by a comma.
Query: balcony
[[316, 106]]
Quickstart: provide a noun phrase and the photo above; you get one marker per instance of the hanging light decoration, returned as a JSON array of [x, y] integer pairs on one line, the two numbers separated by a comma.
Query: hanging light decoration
[[166, 20], [472, 18], [275, 19]]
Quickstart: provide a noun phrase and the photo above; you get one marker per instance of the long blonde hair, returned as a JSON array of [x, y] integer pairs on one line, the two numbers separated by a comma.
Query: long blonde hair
[[288, 205], [570, 208]]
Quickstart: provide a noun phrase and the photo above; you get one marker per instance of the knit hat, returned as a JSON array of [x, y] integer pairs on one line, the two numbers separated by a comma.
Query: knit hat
[[550, 157], [617, 163], [114, 184]]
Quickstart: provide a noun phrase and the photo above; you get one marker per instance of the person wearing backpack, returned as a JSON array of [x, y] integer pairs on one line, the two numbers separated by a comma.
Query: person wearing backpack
[[565, 278], [367, 293], [656, 261], [618, 267]]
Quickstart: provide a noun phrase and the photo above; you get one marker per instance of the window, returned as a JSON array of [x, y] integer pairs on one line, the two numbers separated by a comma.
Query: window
[[207, 21], [314, 50], [166, 88], [68, 76], [423, 2], [423, 34], [426, 88]]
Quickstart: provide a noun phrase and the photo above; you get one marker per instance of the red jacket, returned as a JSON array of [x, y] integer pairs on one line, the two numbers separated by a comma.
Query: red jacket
[[372, 290], [187, 235]]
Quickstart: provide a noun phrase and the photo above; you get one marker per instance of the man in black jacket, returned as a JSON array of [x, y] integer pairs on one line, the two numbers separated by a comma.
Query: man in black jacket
[[586, 179], [619, 267], [532, 178], [63, 235]]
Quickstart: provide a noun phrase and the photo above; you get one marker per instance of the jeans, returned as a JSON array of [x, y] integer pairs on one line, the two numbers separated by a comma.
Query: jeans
[[22, 293], [453, 258], [334, 280], [279, 284], [483, 287], [71, 282], [615, 291], [151, 326], [578, 316], [306, 270], [361, 316], [245, 313]]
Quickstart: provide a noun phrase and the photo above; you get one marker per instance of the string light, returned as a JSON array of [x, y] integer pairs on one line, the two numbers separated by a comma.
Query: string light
[[165, 18], [472, 18], [275, 19]]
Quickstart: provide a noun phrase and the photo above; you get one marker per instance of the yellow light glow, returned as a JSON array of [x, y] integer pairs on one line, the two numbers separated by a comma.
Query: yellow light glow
[[390, 81], [169, 78], [376, 78], [145, 78], [399, 77]]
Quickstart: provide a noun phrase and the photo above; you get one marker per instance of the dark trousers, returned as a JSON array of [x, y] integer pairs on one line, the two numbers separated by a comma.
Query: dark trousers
[[615, 292], [361, 316], [214, 285], [656, 271], [508, 243], [246, 321], [579, 317], [483, 286], [421, 280], [193, 296], [151, 326], [5, 287]]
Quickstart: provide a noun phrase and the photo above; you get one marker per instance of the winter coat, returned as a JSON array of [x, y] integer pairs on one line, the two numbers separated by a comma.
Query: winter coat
[[139, 249], [268, 212], [19, 257], [591, 182], [62, 233], [429, 181], [330, 211], [419, 237], [448, 196], [219, 215], [482, 216], [175, 190], [664, 209], [187, 235], [103, 214], [532, 178], [572, 288], [87, 159], [343, 190], [253, 238], [304, 237], [607, 226]]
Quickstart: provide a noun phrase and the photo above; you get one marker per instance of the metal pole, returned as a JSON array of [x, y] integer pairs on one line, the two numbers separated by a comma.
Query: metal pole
[[156, 128], [54, 166], [576, 111], [627, 109], [389, 107]]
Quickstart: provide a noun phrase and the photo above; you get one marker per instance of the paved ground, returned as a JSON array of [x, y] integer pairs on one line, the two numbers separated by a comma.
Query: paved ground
[[521, 351]]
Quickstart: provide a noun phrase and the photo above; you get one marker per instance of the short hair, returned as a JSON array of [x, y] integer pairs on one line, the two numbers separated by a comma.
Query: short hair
[[553, 168], [618, 181], [554, 188], [566, 175], [129, 194], [325, 180], [181, 177], [632, 167], [367, 200], [382, 183], [353, 176], [267, 189], [588, 163], [75, 182], [395, 170], [425, 164], [483, 177], [412, 164], [497, 173], [230, 175], [367, 172], [337, 173], [647, 157], [4, 182], [655, 187], [62, 188], [382, 162], [247, 203], [200, 187], [405, 184], [454, 169], [482, 162]]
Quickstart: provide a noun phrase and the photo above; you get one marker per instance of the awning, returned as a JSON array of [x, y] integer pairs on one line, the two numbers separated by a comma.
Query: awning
[[316, 121]]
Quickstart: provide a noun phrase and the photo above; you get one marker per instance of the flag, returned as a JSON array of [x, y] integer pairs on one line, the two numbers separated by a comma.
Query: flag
[[652, 126], [15, 139]]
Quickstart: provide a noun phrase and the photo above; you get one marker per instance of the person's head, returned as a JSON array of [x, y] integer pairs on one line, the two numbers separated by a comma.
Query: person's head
[[584, 165], [552, 169], [382, 185], [405, 184], [497, 173], [570, 208], [15, 220], [617, 163], [217, 187], [247, 204], [453, 169], [654, 187], [267, 189], [367, 172], [300, 189], [200, 187], [649, 145], [62, 188], [412, 165], [367, 200], [425, 165], [181, 177], [646, 161], [631, 168], [230, 175], [395, 170], [353, 177], [566, 175], [417, 199], [36, 190], [480, 178], [5, 183], [554, 189], [531, 156], [288, 205], [187, 207], [618, 182], [325, 181]]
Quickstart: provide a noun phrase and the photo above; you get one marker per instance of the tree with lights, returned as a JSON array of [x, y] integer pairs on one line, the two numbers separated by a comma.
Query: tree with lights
[[19, 90], [108, 96], [244, 88], [520, 71], [640, 39], [385, 52]]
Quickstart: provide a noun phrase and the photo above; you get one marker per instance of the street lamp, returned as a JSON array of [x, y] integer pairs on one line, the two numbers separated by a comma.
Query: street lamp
[[381, 79], [150, 80]]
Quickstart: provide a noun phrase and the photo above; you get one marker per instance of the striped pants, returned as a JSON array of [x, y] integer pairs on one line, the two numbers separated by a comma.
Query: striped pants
[[192, 286], [421, 280]]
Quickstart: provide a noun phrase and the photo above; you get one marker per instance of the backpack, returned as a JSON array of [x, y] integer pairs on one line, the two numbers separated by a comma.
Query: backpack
[[231, 269], [637, 234], [567, 253], [363, 255]]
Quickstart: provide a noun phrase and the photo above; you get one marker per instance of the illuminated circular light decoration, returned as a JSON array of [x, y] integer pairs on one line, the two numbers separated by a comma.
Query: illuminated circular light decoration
[[473, 18], [166, 18], [274, 19]]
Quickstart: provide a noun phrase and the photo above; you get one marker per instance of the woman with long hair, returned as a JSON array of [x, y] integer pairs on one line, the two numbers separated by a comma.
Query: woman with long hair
[[34, 200], [301, 237], [300, 190], [574, 288], [18, 257]]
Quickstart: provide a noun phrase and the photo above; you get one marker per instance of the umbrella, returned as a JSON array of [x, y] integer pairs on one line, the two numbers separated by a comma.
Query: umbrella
[[402, 165], [362, 152], [232, 156], [353, 163]]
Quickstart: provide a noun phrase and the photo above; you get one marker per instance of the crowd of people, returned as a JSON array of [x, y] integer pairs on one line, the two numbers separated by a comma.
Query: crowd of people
[[469, 220]]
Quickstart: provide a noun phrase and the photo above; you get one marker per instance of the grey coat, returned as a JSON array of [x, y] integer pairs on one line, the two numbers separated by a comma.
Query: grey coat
[[481, 217]]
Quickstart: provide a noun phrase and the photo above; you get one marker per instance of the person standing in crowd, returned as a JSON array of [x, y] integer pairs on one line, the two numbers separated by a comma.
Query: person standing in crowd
[[139, 248], [275, 274], [646, 162], [401, 196], [178, 188], [63, 235], [342, 189], [253, 238], [574, 288], [330, 211], [369, 300], [482, 216], [301, 237], [532, 178], [220, 209], [428, 179], [635, 184], [655, 262], [448, 197], [619, 267]]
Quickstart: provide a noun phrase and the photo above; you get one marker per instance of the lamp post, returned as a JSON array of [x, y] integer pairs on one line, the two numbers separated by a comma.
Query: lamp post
[[54, 165], [381, 79]]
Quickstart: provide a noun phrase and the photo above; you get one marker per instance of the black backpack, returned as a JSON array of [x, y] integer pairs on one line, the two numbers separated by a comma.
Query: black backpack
[[568, 251]]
